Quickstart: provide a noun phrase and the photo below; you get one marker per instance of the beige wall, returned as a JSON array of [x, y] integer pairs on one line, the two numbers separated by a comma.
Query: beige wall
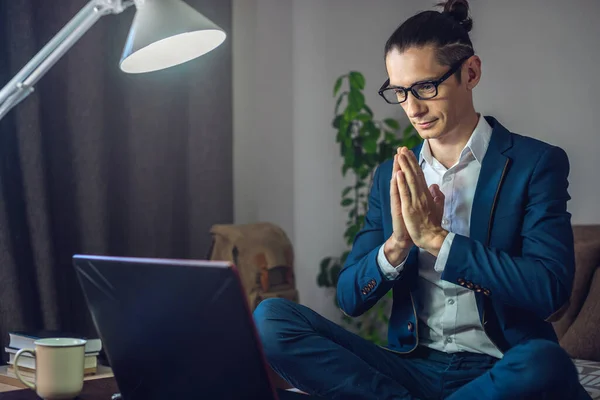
[[540, 63]]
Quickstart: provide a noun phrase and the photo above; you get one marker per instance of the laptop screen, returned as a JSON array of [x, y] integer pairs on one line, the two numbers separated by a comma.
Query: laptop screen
[[174, 329]]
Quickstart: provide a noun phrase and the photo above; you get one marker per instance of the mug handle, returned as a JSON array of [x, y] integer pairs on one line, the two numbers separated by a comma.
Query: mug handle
[[30, 385]]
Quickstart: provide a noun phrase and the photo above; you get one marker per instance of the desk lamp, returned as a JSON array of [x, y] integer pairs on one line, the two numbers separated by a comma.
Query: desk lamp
[[164, 33]]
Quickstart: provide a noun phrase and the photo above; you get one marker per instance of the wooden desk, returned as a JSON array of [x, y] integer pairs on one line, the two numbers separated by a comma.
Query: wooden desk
[[95, 389], [9, 383]]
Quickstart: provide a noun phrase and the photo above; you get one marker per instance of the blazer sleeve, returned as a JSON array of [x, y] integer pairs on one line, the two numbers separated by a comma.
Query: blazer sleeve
[[540, 279], [361, 283]]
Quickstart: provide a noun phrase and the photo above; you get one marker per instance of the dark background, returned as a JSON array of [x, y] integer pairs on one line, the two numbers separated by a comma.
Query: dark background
[[101, 162]]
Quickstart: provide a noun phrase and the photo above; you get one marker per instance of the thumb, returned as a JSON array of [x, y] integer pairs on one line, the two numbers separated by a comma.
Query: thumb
[[438, 195], [435, 191]]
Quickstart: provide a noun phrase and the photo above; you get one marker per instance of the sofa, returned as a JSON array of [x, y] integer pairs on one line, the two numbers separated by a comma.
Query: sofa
[[578, 329]]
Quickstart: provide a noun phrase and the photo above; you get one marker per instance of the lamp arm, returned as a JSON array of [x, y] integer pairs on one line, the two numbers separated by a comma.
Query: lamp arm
[[21, 85]]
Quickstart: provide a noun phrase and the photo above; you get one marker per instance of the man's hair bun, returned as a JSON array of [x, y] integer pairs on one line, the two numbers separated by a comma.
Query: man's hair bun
[[459, 11]]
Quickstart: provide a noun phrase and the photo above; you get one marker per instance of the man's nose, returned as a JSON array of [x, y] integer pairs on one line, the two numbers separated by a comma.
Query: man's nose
[[415, 108]]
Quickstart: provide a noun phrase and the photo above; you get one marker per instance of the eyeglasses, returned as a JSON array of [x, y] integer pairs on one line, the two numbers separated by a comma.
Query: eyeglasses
[[424, 90]]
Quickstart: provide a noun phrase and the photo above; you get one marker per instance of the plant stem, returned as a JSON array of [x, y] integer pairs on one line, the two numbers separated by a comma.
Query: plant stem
[[356, 199]]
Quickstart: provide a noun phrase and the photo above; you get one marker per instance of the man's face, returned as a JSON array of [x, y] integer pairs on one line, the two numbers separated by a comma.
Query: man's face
[[442, 115]]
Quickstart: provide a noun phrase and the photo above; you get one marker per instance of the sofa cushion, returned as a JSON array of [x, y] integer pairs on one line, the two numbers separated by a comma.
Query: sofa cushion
[[589, 376], [582, 340], [587, 260]]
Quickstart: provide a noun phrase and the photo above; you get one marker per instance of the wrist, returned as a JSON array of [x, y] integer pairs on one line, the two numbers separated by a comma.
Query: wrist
[[433, 242], [395, 251]]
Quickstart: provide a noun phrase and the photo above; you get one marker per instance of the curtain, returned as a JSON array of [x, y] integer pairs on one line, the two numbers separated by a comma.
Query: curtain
[[97, 161]]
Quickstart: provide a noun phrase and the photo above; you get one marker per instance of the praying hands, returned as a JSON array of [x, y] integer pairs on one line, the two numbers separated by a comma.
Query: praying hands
[[422, 208]]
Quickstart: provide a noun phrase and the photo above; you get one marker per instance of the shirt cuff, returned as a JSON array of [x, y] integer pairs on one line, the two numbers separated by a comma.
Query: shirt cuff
[[442, 258], [388, 270]]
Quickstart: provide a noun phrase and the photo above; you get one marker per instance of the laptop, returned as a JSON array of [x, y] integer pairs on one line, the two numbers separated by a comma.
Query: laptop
[[176, 329]]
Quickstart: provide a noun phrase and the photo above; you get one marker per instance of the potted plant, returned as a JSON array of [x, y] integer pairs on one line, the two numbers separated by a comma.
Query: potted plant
[[364, 144]]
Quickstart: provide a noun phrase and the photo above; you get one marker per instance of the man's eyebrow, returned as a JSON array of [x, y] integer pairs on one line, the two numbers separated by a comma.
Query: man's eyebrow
[[426, 79]]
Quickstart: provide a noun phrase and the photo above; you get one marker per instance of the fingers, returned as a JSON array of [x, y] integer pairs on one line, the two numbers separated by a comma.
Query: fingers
[[403, 189], [412, 173], [394, 195], [411, 159], [406, 167], [438, 200], [435, 191], [437, 195]]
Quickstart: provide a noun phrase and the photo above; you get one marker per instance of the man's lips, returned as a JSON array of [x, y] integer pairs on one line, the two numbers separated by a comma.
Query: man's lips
[[425, 124]]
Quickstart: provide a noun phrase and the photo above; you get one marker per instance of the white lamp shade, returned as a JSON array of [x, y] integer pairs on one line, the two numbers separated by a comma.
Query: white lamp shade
[[165, 33]]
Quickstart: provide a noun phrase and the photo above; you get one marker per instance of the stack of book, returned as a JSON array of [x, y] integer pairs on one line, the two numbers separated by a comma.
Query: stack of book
[[25, 340]]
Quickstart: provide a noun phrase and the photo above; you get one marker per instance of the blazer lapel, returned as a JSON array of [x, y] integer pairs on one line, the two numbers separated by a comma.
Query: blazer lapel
[[493, 169]]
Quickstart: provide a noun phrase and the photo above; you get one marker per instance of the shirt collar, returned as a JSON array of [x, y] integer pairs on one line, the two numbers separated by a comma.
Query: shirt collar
[[477, 145]]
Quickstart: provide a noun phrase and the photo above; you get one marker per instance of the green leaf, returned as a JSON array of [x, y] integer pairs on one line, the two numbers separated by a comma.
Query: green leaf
[[375, 134], [325, 263], [336, 121], [323, 277], [370, 145], [350, 114], [357, 80], [350, 158], [339, 101], [351, 233], [345, 169], [392, 123], [412, 141], [344, 126], [385, 152], [363, 117], [368, 110], [347, 202], [334, 274], [389, 137], [346, 191], [408, 130], [356, 100], [338, 85], [371, 127], [361, 220], [322, 280]]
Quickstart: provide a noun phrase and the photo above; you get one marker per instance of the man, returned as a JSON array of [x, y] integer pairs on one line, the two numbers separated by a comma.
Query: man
[[471, 232]]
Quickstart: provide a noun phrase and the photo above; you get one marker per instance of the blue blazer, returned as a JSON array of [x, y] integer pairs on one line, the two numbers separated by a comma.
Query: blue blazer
[[518, 259]]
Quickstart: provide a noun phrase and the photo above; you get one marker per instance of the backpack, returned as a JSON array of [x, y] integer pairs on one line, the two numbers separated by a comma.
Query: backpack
[[263, 255]]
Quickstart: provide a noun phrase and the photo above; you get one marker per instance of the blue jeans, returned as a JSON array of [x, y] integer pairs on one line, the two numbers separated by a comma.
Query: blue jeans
[[321, 358]]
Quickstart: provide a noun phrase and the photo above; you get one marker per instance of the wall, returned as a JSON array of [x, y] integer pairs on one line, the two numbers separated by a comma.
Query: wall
[[539, 69], [263, 112]]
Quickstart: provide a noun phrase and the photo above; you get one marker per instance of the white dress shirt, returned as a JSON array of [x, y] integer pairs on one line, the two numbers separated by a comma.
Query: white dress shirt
[[448, 316]]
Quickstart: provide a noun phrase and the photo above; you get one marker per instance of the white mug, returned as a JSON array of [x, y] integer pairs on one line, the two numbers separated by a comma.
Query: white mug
[[58, 367]]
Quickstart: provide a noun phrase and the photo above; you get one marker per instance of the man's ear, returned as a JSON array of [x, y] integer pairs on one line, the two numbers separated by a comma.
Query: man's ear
[[472, 72]]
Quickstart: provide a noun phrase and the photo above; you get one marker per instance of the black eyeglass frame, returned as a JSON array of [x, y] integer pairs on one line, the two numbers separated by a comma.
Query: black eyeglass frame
[[435, 83]]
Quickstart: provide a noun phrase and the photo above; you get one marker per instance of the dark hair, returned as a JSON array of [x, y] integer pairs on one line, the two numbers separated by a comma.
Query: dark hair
[[448, 31]]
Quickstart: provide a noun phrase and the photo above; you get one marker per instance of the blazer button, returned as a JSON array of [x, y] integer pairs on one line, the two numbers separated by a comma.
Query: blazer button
[[469, 285], [364, 291], [411, 327], [461, 281], [487, 292], [477, 288]]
